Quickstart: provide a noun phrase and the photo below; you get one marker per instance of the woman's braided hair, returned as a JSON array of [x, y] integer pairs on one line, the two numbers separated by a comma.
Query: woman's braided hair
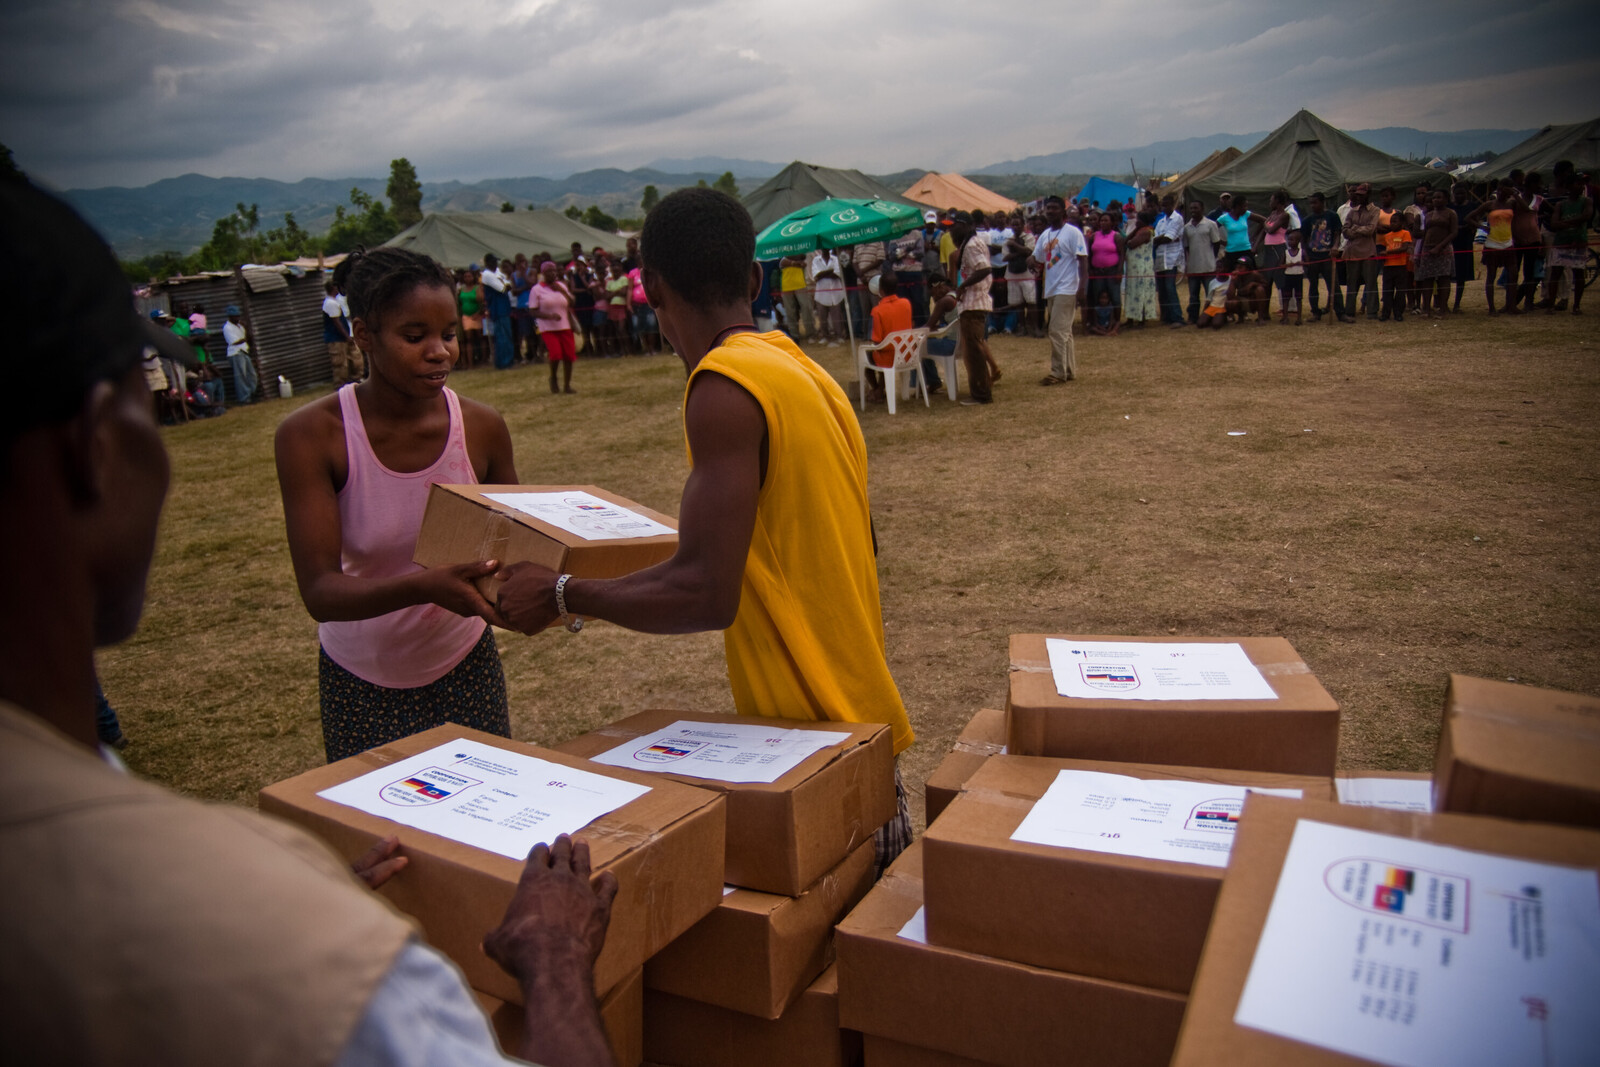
[[375, 281]]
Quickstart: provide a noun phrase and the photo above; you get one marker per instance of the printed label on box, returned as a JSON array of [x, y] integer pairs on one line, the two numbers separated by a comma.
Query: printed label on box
[[1155, 670], [583, 514], [1416, 954], [726, 752], [487, 797], [1190, 822]]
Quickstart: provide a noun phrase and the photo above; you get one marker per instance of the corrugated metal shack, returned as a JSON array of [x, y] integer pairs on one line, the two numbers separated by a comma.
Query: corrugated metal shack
[[281, 310]]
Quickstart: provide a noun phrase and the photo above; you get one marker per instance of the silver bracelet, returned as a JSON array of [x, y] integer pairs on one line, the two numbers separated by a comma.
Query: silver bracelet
[[573, 625]]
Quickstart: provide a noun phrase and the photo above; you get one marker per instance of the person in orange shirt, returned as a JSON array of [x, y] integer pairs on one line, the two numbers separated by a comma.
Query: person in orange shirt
[[891, 314], [1396, 242]]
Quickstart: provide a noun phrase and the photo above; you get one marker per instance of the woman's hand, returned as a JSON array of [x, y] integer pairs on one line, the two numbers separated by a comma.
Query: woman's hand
[[455, 589]]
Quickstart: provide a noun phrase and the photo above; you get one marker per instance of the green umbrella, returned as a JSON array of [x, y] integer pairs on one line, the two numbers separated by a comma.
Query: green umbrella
[[834, 224]]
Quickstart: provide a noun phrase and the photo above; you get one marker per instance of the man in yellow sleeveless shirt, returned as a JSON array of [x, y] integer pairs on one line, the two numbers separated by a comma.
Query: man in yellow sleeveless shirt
[[138, 926], [775, 541]]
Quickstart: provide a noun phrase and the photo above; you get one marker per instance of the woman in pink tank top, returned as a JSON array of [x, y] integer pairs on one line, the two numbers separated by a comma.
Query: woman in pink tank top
[[403, 647]]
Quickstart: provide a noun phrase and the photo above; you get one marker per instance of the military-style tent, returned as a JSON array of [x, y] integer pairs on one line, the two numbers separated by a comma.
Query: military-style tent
[[460, 238], [1203, 169], [800, 184], [1306, 155], [953, 190], [1579, 142], [1101, 191]]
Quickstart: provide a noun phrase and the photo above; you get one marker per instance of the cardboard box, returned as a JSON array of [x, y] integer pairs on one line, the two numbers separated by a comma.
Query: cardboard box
[[881, 1052], [462, 525], [986, 1009], [665, 849], [621, 1012], [758, 951], [1518, 752], [984, 736], [1210, 1037], [679, 1032], [1126, 918], [1297, 733], [785, 835]]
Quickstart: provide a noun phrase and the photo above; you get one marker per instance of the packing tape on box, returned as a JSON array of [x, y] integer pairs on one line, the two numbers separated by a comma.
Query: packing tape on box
[[496, 536], [1576, 731], [1001, 798], [980, 748], [1270, 669], [1030, 666], [900, 885]]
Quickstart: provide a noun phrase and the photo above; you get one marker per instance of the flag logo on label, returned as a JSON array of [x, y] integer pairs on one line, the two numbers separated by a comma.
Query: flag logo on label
[[1215, 815], [1112, 677], [428, 786], [668, 751], [1432, 898]]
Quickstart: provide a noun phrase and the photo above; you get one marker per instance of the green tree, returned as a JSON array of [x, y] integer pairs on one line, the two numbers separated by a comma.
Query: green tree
[[701, 184], [404, 192], [369, 225], [726, 184], [652, 197], [507, 207], [599, 219], [573, 211]]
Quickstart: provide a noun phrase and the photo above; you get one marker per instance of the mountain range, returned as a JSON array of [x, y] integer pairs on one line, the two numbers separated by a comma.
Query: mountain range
[[178, 213], [1167, 157]]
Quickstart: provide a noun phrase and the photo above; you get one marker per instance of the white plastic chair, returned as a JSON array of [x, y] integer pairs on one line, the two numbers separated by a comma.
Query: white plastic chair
[[907, 347], [946, 363]]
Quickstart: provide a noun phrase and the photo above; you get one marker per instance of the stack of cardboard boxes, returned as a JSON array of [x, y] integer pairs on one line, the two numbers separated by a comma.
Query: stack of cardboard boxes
[[985, 944], [752, 982], [665, 849], [980, 949], [1513, 761]]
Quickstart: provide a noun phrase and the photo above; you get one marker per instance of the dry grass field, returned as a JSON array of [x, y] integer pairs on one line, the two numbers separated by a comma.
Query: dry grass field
[[1405, 501]]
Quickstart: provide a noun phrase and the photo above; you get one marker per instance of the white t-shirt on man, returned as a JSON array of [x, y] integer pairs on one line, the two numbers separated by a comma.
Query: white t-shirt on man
[[1059, 250]]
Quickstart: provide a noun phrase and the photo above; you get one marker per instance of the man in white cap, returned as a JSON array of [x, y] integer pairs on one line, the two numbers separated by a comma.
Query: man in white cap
[[245, 379]]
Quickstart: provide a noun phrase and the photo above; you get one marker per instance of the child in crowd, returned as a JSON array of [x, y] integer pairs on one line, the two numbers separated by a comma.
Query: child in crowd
[[1215, 314], [1397, 248], [1292, 280], [1106, 323], [1249, 292], [403, 647]]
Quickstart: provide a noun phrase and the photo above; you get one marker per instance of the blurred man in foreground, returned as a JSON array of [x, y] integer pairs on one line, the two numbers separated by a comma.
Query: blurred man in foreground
[[138, 926]]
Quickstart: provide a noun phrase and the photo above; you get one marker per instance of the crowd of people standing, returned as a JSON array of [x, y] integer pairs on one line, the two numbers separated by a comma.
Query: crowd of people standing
[[1153, 260]]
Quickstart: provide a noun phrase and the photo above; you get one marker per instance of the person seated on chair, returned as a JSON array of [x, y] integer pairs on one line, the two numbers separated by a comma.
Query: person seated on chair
[[891, 314]]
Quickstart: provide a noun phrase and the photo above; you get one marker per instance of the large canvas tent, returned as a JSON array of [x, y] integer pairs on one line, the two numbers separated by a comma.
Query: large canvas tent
[[1306, 155], [800, 184], [1203, 169], [1101, 191], [460, 238], [1579, 142], [954, 190]]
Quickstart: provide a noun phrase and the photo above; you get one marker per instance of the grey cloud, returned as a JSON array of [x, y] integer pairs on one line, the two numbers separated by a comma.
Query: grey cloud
[[91, 93]]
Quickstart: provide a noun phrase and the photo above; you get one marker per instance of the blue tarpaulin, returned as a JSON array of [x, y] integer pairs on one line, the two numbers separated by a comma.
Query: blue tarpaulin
[[1101, 191]]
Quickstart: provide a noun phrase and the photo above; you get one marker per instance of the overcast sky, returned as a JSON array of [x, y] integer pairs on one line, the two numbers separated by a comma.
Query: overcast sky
[[99, 92]]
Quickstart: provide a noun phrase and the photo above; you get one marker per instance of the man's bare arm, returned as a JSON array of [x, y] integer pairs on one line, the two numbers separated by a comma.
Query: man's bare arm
[[698, 588]]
